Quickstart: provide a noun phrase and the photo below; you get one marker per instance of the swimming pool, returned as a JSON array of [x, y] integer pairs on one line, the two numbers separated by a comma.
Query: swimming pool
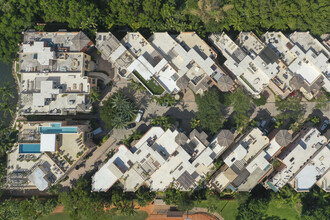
[[29, 148], [55, 128]]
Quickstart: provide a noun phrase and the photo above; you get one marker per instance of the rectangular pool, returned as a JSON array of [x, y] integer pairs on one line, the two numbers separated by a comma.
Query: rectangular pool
[[29, 148], [55, 128]]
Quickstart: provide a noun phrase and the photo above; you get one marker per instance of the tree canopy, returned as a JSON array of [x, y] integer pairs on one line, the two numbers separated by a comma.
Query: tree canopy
[[210, 111], [118, 110], [201, 16]]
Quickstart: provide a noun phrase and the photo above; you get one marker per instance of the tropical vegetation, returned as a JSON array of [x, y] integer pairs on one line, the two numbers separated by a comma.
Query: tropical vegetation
[[201, 16], [118, 110], [163, 121]]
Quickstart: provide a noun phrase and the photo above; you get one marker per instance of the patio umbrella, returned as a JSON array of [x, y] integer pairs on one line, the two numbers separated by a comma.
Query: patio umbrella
[[181, 139], [283, 137], [80, 41], [225, 83], [183, 82], [225, 138]]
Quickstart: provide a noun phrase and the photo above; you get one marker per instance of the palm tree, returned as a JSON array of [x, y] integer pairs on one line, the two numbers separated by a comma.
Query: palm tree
[[6, 91], [118, 101], [126, 208], [162, 121], [7, 108], [126, 141], [7, 139], [322, 196], [95, 95], [118, 122], [137, 87], [136, 135]]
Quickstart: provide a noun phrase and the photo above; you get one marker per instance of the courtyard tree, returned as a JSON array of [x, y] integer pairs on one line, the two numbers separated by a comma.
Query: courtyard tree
[[118, 110], [321, 101], [291, 110], [163, 121], [210, 111], [241, 104]]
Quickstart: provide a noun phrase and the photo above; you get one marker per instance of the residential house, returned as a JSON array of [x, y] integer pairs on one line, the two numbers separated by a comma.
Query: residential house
[[160, 159], [53, 68]]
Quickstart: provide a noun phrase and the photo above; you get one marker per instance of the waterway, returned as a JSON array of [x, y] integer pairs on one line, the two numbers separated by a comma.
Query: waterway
[[6, 76]]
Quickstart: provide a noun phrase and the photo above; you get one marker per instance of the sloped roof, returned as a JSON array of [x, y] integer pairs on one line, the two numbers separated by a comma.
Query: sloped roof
[[181, 138], [183, 82], [80, 40], [225, 138], [225, 83], [283, 137]]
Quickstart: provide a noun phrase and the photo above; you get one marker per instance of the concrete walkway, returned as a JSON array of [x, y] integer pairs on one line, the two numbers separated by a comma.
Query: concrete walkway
[[101, 76], [97, 158]]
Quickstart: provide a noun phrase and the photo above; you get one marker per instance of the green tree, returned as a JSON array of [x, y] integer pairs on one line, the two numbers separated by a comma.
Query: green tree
[[321, 101], [210, 111], [136, 87], [117, 111], [162, 121], [95, 95], [7, 92]]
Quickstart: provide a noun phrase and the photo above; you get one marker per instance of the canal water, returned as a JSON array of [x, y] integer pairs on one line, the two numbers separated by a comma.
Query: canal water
[[6, 76]]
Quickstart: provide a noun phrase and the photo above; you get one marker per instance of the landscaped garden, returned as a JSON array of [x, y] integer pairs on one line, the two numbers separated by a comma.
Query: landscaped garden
[[151, 84]]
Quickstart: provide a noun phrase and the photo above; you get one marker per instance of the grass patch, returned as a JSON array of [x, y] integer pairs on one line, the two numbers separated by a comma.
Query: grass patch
[[56, 216], [283, 211], [17, 67], [155, 89], [140, 215], [226, 208], [261, 101]]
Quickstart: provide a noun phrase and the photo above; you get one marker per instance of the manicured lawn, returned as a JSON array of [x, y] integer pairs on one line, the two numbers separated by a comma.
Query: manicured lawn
[[283, 211], [61, 216], [226, 208], [154, 88], [141, 215]]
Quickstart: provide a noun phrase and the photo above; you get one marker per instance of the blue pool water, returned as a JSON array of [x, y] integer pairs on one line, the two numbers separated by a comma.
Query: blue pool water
[[55, 128], [29, 148]]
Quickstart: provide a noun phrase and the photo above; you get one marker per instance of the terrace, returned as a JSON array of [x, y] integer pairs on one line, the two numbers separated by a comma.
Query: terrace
[[296, 156], [152, 85]]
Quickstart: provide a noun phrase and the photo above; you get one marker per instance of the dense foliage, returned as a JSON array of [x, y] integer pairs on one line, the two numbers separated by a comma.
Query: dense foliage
[[117, 111], [202, 16], [291, 110], [26, 209], [210, 111]]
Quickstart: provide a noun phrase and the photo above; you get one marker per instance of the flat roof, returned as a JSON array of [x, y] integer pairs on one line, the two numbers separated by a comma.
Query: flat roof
[[48, 143], [37, 177], [268, 55], [308, 176]]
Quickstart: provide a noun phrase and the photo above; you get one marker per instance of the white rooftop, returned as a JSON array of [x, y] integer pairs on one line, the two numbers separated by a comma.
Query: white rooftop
[[43, 54], [37, 177], [48, 143], [307, 177], [299, 152], [104, 178]]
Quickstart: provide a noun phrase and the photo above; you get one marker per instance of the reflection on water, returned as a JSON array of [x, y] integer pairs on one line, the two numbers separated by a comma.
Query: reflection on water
[[6, 76]]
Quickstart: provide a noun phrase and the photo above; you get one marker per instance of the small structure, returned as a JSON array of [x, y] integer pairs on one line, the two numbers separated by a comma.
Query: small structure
[[225, 138], [283, 137]]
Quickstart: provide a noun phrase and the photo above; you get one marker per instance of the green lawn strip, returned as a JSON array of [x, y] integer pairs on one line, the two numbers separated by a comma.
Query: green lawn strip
[[56, 216], [283, 211], [226, 208], [155, 89], [140, 215]]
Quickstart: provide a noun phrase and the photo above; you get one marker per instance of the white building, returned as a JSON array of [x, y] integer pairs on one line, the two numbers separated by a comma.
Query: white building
[[250, 60], [295, 157], [160, 158], [53, 70]]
